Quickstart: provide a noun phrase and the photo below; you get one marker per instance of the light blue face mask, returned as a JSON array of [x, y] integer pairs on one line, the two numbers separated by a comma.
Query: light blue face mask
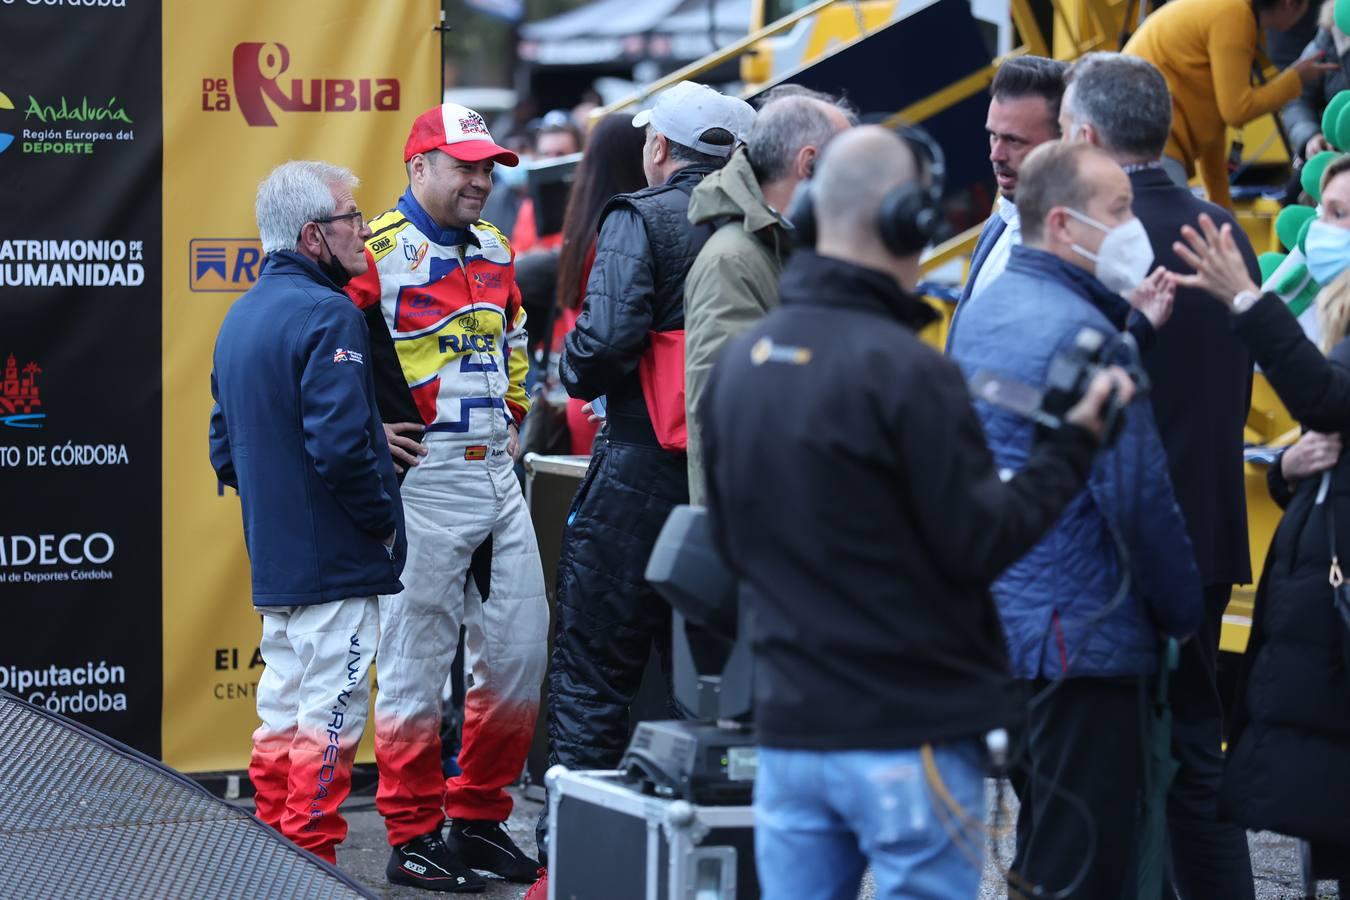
[[513, 177], [1328, 251]]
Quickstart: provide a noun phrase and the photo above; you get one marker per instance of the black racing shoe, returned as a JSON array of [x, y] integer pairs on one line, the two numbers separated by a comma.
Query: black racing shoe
[[486, 846], [427, 862]]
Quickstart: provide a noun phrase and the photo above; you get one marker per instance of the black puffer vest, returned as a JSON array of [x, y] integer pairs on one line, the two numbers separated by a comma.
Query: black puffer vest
[[673, 243]]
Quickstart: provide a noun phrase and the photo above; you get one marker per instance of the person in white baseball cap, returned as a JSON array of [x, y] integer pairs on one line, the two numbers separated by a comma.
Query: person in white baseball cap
[[627, 346], [686, 110], [691, 123]]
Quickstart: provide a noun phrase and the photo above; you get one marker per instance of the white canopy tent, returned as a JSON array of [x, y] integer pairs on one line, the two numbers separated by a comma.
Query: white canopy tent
[[614, 31]]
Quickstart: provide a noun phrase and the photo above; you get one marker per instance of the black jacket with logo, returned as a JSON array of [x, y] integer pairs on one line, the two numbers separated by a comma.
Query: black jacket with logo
[[851, 489]]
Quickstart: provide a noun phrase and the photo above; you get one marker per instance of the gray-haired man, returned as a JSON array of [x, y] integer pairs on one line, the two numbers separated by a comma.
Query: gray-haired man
[[1201, 377], [296, 430], [734, 280]]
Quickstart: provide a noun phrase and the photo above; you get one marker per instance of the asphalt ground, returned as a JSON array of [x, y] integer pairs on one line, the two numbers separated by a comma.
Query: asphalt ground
[[365, 853]]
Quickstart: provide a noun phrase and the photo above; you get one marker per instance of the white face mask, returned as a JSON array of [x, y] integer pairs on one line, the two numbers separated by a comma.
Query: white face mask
[[1125, 256]]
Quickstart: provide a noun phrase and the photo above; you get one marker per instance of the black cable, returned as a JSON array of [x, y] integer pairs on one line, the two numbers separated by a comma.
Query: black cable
[[1080, 806], [1133, 366]]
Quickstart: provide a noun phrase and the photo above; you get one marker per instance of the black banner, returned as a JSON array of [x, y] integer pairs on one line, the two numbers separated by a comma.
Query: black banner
[[81, 139]]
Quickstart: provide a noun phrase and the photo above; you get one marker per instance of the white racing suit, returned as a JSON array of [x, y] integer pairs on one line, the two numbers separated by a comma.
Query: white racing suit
[[448, 341], [312, 700]]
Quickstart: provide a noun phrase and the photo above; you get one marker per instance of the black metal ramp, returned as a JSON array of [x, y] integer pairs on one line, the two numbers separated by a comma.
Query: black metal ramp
[[84, 816]]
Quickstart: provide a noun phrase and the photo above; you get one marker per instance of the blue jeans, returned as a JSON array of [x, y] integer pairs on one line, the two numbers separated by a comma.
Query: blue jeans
[[822, 817]]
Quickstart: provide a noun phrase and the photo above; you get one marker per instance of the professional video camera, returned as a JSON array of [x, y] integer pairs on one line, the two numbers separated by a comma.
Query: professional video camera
[[675, 819], [710, 759], [550, 184], [1067, 380]]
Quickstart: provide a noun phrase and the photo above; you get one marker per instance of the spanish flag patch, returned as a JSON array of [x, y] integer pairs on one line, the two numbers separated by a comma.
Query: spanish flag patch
[[477, 451]]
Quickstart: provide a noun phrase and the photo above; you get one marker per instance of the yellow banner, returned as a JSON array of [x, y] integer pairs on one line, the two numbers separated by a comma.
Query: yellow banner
[[248, 86]]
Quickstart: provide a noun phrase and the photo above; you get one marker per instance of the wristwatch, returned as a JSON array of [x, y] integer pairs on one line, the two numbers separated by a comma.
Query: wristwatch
[[1244, 300]]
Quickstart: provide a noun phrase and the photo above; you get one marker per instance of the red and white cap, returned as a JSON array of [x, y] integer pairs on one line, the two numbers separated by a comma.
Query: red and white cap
[[457, 131]]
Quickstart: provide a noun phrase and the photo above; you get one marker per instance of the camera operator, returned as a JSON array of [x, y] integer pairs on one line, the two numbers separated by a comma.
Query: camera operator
[[852, 493], [1083, 608]]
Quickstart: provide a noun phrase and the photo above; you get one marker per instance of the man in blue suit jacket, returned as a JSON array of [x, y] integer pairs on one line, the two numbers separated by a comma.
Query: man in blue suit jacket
[[1082, 611], [1201, 374], [1023, 114], [296, 430]]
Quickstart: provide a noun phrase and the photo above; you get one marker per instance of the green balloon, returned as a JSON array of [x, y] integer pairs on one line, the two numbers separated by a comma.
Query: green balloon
[[1303, 235], [1343, 15], [1331, 116], [1311, 179], [1339, 136], [1288, 223], [1269, 262]]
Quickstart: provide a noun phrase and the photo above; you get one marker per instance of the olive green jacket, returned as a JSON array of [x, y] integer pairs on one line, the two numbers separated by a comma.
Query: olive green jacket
[[732, 284]]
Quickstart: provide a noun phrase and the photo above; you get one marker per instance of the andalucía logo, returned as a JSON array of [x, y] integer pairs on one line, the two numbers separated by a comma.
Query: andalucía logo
[[69, 126], [19, 395], [50, 113], [5, 138], [257, 70]]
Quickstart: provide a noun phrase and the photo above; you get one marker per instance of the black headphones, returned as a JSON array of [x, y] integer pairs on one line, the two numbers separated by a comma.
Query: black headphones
[[911, 214]]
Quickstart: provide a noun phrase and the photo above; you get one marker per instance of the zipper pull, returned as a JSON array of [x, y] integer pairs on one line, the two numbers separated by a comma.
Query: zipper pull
[[1336, 578]]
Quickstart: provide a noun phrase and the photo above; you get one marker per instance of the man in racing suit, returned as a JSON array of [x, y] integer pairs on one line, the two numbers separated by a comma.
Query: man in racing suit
[[448, 341]]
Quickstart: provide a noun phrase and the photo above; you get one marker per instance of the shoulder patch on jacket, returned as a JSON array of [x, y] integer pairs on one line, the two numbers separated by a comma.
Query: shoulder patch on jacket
[[384, 229], [492, 244], [490, 233]]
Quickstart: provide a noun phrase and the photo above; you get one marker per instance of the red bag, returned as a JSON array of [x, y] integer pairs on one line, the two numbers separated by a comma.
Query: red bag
[[661, 371]]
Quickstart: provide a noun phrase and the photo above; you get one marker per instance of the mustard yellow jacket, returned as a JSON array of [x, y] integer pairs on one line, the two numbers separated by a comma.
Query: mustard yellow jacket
[[1205, 50]]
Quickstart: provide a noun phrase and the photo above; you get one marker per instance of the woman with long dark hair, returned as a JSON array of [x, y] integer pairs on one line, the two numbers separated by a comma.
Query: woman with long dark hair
[[612, 164]]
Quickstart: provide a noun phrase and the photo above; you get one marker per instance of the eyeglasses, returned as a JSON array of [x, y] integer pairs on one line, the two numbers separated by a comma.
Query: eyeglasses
[[360, 219]]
